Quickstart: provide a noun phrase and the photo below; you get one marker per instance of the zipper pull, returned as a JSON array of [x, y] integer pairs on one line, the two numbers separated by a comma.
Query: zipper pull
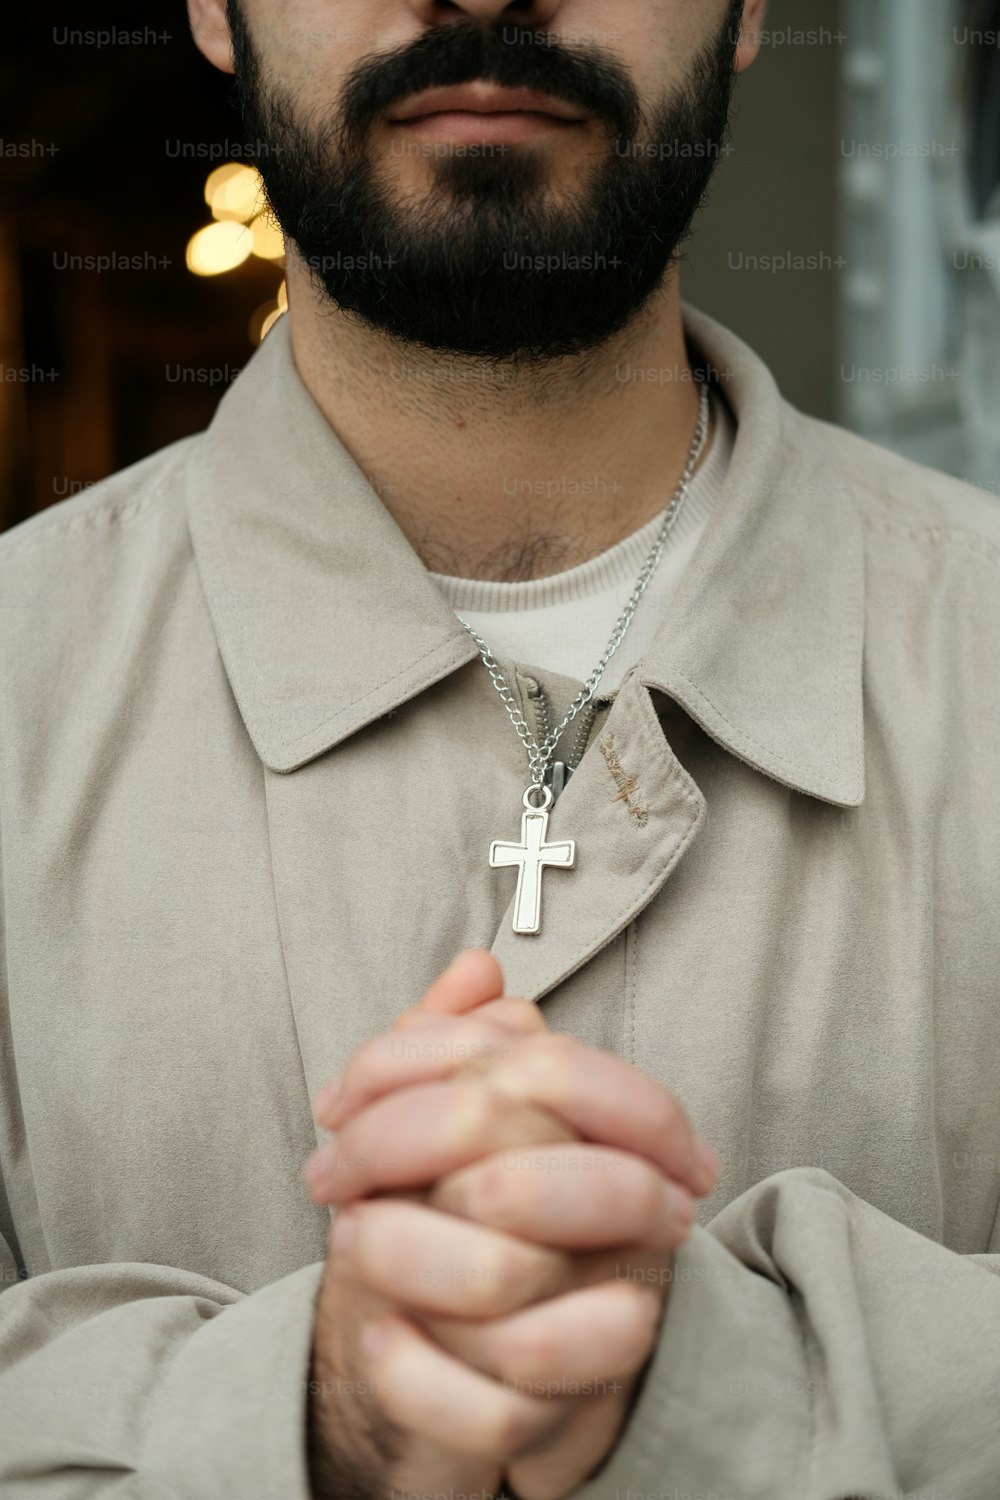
[[556, 777]]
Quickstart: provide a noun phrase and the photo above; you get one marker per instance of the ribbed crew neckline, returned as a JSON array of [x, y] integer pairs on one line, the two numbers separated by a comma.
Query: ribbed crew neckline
[[620, 564]]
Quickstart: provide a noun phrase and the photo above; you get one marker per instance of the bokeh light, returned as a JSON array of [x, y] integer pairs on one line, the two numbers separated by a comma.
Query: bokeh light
[[218, 247], [234, 191], [268, 241]]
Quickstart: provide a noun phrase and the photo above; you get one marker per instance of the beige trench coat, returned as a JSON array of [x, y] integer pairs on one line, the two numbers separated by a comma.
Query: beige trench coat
[[250, 769]]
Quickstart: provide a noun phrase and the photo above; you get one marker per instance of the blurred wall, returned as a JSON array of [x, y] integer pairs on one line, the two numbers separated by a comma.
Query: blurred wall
[[774, 196]]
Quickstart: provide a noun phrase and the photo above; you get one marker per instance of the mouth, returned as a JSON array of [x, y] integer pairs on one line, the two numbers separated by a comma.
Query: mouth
[[485, 112], [483, 99]]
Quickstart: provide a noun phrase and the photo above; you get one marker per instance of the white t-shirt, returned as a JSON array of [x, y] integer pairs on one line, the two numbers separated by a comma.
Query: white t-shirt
[[563, 623]]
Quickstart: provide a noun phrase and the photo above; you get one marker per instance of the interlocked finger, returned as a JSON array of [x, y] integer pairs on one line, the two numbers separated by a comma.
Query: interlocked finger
[[571, 1194], [416, 1136], [424, 1390], [434, 1263], [433, 1049], [584, 1342]]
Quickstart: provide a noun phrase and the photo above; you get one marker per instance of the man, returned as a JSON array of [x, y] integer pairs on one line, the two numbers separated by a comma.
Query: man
[[291, 720]]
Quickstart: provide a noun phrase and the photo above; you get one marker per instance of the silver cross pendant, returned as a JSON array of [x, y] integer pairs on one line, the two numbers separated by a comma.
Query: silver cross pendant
[[531, 856]]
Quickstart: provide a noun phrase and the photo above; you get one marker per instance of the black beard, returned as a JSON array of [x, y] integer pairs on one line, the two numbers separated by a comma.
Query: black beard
[[485, 267]]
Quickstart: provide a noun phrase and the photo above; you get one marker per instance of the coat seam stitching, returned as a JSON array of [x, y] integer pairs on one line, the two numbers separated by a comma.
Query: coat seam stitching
[[967, 541], [117, 513]]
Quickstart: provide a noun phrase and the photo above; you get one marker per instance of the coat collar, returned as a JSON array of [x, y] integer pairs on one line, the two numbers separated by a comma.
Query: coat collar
[[326, 619]]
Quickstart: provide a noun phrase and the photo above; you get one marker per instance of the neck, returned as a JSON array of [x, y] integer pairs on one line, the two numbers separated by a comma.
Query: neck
[[505, 473]]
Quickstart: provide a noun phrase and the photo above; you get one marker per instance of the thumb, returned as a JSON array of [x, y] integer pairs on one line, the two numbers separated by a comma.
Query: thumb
[[474, 977]]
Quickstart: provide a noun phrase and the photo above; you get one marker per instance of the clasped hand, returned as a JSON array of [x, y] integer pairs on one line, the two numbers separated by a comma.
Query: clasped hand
[[509, 1204]]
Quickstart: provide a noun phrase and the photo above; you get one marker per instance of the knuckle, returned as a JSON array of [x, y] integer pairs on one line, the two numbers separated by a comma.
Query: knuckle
[[524, 1013], [503, 1274], [517, 1273], [493, 1194], [514, 1424], [558, 1046], [551, 1056], [479, 1047], [491, 1109], [475, 1114], [530, 1353]]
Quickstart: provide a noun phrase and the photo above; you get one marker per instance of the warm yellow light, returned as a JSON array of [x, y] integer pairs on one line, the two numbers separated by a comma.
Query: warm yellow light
[[216, 181], [217, 248], [283, 296], [265, 313], [269, 322], [234, 191], [268, 241]]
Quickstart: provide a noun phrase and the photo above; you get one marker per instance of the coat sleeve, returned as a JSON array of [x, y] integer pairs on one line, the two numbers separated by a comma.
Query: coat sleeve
[[142, 1382], [813, 1348]]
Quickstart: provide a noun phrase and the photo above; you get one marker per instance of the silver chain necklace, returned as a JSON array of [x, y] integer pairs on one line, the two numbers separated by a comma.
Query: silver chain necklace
[[534, 853]]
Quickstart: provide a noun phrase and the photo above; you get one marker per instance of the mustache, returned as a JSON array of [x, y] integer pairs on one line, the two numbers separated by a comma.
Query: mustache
[[507, 55]]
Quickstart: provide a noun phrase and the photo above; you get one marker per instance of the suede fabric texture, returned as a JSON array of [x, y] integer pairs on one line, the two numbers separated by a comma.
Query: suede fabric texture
[[250, 769]]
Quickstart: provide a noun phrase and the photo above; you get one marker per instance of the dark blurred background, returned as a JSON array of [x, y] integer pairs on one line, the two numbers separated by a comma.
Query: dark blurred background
[[111, 347], [118, 140]]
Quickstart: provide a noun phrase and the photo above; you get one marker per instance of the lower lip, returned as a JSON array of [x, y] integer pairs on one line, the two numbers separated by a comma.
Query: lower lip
[[464, 126]]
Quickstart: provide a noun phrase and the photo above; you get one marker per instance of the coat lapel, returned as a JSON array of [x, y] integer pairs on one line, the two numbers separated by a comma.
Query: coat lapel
[[633, 811]]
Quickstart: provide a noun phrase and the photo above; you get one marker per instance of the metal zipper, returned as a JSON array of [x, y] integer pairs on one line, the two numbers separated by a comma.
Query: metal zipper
[[583, 734], [593, 717], [540, 709]]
